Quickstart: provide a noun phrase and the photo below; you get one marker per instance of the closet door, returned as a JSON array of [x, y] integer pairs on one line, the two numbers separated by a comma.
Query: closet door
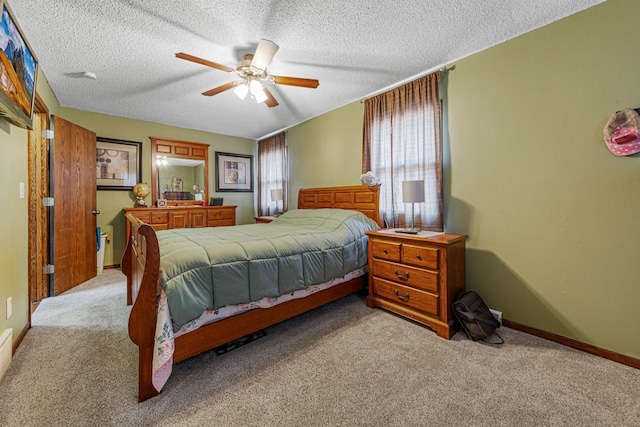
[[73, 165]]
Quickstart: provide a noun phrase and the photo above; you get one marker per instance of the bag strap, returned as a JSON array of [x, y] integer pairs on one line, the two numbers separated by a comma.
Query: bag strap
[[495, 343]]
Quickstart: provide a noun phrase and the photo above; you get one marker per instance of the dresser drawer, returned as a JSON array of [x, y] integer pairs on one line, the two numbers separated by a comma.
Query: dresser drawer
[[420, 256], [412, 297], [406, 275], [386, 250], [228, 214], [214, 214], [159, 227], [143, 216], [159, 217]]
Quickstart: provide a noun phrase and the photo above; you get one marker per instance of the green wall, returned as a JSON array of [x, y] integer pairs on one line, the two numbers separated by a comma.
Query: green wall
[[553, 216], [14, 258], [326, 151], [111, 203], [13, 229]]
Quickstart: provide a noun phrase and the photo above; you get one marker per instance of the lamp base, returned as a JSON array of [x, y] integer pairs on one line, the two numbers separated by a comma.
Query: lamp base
[[408, 230]]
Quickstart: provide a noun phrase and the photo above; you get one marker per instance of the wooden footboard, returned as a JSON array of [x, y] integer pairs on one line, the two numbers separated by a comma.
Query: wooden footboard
[[141, 264]]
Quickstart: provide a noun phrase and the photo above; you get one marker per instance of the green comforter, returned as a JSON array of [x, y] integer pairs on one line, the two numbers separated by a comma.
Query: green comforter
[[206, 268]]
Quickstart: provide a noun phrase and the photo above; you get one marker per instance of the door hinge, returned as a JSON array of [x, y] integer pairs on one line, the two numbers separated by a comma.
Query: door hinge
[[48, 269], [47, 201], [47, 133]]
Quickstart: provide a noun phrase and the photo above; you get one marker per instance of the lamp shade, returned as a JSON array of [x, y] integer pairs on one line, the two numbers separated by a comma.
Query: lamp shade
[[412, 191], [257, 90], [276, 194], [241, 90]]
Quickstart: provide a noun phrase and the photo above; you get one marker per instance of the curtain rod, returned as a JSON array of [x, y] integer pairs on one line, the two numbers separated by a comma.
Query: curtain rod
[[443, 70]]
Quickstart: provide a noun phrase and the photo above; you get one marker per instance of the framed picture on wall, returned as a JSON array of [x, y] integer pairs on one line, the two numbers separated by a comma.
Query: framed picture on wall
[[234, 172], [118, 164]]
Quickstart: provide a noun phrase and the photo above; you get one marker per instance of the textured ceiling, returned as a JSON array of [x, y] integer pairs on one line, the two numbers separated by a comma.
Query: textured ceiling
[[355, 48]]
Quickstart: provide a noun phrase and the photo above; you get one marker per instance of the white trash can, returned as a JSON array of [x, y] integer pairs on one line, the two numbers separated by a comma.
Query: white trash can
[[103, 242]]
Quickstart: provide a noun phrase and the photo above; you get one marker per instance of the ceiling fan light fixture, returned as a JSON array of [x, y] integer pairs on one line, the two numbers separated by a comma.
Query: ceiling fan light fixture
[[257, 91], [252, 71], [241, 91]]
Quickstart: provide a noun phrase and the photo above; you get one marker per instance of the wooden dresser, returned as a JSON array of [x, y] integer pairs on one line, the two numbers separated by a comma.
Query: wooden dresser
[[170, 217], [417, 277]]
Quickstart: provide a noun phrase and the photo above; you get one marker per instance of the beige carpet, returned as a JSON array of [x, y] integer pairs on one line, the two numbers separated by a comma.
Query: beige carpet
[[342, 364]]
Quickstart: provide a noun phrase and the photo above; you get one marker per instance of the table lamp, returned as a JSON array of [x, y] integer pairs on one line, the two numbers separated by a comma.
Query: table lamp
[[276, 195], [412, 192]]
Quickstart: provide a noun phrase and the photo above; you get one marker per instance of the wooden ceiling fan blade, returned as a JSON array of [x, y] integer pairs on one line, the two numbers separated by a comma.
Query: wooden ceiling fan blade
[[264, 54], [197, 60], [296, 81], [271, 100], [217, 90]]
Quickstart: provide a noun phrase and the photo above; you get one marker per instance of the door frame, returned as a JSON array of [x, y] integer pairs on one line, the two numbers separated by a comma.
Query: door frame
[[38, 217]]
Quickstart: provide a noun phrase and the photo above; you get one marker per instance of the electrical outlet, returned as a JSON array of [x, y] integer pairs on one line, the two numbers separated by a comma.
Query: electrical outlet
[[497, 314], [9, 307], [22, 190]]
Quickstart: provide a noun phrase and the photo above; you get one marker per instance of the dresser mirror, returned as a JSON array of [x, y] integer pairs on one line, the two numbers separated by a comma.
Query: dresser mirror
[[179, 172]]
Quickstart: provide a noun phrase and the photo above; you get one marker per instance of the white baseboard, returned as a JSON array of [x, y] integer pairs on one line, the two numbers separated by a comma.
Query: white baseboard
[[6, 346]]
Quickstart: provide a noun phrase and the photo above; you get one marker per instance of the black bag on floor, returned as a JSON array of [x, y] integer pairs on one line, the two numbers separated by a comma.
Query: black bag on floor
[[474, 316]]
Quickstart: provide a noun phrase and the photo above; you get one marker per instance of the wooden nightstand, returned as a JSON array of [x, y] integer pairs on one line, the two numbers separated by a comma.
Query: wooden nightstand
[[417, 277], [264, 219]]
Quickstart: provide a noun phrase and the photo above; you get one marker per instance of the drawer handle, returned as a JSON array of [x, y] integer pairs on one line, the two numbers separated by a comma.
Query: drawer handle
[[418, 256], [404, 276], [385, 251], [404, 297]]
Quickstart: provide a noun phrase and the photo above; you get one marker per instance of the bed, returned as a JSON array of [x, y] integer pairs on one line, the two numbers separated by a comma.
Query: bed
[[162, 341]]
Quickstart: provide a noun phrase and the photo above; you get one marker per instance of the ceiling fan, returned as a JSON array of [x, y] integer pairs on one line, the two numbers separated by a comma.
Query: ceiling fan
[[252, 71]]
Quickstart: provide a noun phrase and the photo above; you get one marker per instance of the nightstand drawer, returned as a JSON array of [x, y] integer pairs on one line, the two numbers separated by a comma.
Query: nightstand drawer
[[386, 250], [412, 297], [420, 256], [410, 276]]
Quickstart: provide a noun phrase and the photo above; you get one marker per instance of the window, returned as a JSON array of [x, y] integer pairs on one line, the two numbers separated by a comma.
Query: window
[[272, 174], [403, 142]]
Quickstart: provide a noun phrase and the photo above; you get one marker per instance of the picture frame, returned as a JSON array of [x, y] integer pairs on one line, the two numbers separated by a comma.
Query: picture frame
[[234, 172], [118, 164]]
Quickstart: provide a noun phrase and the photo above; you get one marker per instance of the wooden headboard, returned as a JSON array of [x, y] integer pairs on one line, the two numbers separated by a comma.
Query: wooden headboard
[[361, 198]]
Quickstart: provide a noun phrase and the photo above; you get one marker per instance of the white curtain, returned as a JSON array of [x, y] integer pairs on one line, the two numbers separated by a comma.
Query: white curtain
[[272, 174], [403, 142]]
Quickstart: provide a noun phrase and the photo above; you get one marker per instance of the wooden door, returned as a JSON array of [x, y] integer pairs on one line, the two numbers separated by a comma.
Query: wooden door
[[74, 193]]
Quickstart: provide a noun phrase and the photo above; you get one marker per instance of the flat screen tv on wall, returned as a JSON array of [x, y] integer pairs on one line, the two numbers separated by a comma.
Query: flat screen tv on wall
[[18, 72]]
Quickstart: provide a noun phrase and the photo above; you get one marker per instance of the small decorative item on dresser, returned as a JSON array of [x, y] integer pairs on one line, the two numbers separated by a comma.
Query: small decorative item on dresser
[[162, 203], [141, 190]]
